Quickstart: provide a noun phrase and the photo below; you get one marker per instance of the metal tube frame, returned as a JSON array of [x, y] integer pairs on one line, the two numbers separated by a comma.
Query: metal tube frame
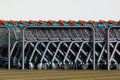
[[108, 47], [58, 27], [8, 46]]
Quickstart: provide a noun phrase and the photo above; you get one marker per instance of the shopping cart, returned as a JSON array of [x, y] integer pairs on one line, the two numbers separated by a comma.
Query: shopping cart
[[54, 47], [113, 46], [4, 45], [101, 44]]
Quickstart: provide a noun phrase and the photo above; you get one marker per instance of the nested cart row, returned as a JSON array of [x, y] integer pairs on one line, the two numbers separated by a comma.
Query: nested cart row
[[59, 47], [92, 45]]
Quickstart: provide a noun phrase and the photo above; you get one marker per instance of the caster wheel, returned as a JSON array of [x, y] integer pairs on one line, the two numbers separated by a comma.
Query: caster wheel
[[14, 64], [54, 66], [66, 67], [118, 66], [73, 66], [84, 66], [39, 66], [78, 66], [112, 66], [44, 66], [31, 65], [19, 65], [97, 66]]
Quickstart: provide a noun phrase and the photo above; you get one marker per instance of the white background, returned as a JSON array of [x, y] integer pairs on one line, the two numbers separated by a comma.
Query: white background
[[60, 9]]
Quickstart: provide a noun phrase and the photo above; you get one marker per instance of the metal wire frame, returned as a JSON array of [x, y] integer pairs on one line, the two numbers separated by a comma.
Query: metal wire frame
[[38, 27], [8, 45], [108, 45]]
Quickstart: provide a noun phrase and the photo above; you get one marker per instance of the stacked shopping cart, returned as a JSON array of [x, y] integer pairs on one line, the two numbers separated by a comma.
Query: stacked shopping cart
[[59, 44]]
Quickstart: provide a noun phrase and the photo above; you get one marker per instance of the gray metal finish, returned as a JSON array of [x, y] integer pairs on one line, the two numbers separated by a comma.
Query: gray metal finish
[[111, 39], [16, 45], [57, 39], [100, 43], [8, 44], [46, 45]]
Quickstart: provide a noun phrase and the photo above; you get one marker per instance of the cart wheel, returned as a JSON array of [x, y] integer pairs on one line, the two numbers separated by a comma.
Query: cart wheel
[[39, 66], [66, 66], [73, 66], [14, 64], [84, 66], [31, 65], [112, 66], [97, 66], [118, 66], [54, 66], [78, 66], [44, 66], [19, 65]]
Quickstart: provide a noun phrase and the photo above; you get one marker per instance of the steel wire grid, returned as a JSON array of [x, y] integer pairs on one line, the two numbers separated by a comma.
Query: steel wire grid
[[57, 38], [101, 45], [5, 47], [113, 47]]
